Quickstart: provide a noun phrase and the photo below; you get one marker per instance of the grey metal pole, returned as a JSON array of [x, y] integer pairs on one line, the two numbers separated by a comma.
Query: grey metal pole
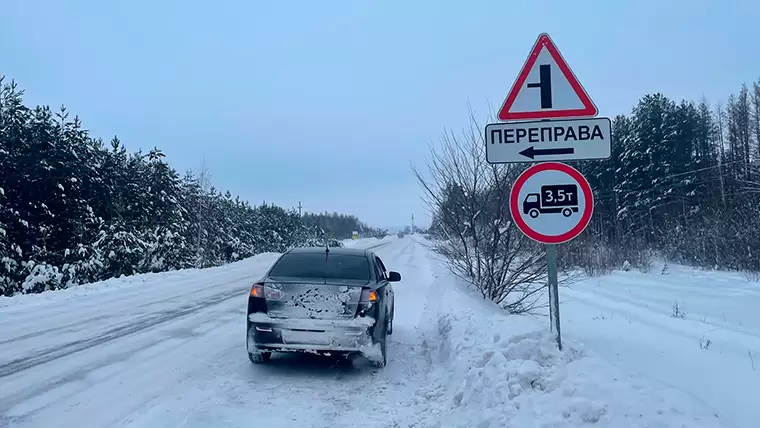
[[551, 268]]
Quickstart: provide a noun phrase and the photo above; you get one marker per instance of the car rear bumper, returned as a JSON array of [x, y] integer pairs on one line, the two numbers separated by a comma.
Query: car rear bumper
[[296, 335]]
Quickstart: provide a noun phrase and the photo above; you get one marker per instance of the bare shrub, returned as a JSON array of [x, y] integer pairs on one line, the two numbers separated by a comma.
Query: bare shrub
[[678, 311], [637, 253], [645, 261], [595, 256], [468, 198], [752, 275], [592, 257], [704, 343]]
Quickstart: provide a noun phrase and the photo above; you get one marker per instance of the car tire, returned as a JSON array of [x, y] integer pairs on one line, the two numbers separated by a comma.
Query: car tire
[[259, 357]]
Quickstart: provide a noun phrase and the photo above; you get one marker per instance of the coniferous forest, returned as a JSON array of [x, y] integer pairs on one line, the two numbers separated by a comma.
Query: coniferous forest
[[682, 185], [342, 226], [683, 182], [75, 209]]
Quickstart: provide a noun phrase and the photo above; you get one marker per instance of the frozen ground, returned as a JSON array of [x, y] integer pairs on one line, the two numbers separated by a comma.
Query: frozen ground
[[628, 318], [168, 351]]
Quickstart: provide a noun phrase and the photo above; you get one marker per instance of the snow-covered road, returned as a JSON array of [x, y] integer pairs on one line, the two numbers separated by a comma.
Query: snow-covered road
[[168, 350]]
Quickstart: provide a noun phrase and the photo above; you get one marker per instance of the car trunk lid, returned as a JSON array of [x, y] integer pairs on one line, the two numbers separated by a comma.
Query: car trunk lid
[[315, 299]]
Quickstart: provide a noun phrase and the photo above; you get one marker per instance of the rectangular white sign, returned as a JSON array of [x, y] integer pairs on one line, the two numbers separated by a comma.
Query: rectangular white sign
[[549, 140]]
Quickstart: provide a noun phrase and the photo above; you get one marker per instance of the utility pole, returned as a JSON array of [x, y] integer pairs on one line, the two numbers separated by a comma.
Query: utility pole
[[412, 223], [299, 208]]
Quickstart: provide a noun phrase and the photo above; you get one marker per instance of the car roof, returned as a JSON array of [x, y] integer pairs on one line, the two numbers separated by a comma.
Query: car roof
[[333, 250]]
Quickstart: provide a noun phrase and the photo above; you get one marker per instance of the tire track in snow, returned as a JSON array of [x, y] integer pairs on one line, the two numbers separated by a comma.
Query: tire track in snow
[[739, 341], [156, 378], [132, 295], [109, 385], [306, 390], [619, 297], [73, 325], [149, 321]]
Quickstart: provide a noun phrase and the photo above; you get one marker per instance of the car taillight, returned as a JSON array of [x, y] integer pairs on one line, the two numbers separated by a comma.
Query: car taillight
[[268, 293], [368, 296]]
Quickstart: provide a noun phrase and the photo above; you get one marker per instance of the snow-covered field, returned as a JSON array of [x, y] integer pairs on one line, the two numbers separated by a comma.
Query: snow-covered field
[[168, 350], [713, 352]]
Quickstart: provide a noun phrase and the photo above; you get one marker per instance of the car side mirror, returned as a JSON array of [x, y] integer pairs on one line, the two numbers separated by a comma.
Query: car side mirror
[[394, 276]]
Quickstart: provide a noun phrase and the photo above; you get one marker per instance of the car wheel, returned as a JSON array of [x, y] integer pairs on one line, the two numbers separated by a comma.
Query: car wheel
[[259, 357]]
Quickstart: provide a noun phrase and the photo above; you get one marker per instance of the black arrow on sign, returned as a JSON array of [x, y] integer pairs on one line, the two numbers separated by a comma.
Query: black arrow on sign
[[530, 152]]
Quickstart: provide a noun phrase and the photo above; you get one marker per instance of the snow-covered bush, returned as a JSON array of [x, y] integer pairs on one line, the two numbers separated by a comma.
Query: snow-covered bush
[[468, 198], [41, 277]]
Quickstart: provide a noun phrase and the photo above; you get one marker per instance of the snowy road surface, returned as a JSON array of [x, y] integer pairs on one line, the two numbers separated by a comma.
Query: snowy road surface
[[168, 350], [171, 353]]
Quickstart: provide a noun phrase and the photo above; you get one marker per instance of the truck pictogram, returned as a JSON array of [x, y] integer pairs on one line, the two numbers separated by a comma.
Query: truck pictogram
[[554, 199]]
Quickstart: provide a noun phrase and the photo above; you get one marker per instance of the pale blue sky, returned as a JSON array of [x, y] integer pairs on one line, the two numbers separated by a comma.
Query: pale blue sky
[[328, 102]]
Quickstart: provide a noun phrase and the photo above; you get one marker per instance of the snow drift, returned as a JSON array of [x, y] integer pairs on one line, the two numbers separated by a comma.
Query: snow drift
[[497, 370]]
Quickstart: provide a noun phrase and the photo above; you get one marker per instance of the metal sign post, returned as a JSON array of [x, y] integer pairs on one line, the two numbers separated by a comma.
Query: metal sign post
[[551, 268], [551, 203], [549, 118]]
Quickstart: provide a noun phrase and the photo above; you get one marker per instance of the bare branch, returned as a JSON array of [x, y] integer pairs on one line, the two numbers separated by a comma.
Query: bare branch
[[467, 198]]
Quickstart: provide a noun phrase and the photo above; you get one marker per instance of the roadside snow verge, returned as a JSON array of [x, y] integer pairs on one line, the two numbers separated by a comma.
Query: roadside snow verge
[[494, 370], [175, 278], [508, 373]]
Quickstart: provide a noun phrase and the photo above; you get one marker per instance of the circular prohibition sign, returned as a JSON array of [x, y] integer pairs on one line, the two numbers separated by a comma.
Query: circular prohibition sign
[[551, 202]]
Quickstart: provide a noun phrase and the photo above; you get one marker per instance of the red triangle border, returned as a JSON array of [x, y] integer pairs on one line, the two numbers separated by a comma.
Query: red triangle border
[[589, 109]]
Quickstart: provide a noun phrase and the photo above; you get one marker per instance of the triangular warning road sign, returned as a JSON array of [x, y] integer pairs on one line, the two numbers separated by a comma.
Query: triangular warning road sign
[[546, 88]]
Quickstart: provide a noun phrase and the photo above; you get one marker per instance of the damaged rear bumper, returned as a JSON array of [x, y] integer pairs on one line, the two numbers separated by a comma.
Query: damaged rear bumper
[[308, 335]]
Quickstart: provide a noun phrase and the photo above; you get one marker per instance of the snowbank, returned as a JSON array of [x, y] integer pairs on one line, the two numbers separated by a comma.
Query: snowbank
[[109, 285], [495, 370], [148, 279]]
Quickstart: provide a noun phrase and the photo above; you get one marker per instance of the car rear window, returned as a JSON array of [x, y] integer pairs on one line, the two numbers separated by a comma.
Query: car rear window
[[315, 265]]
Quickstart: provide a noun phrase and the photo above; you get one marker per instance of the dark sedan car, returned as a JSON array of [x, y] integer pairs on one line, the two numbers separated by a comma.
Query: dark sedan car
[[322, 300]]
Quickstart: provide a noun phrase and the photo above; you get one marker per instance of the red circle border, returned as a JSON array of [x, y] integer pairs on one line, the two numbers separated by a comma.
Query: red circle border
[[514, 205]]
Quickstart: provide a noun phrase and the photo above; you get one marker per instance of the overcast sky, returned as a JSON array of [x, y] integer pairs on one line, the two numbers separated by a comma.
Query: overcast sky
[[328, 102]]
